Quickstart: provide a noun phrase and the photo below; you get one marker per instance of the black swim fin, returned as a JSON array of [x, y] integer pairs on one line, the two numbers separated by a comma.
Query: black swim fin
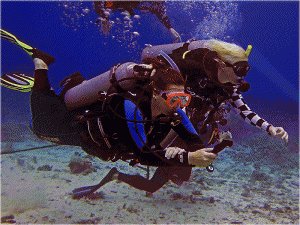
[[88, 190]]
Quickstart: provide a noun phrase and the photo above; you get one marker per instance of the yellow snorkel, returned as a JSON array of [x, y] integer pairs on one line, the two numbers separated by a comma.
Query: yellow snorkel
[[249, 48]]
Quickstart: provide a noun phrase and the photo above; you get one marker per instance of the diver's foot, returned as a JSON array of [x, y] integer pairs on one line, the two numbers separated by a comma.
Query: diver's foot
[[89, 190], [45, 57]]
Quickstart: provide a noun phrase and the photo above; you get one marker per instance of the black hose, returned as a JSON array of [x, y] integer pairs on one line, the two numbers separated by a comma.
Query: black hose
[[29, 149]]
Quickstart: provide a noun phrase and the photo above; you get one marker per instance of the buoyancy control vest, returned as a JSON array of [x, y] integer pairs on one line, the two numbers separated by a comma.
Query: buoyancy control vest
[[124, 132], [119, 122]]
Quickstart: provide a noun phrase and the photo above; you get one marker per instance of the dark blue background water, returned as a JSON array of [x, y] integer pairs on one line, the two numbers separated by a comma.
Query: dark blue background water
[[272, 29]]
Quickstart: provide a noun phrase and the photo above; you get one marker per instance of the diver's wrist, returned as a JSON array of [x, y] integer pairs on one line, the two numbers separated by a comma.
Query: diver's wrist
[[190, 158]]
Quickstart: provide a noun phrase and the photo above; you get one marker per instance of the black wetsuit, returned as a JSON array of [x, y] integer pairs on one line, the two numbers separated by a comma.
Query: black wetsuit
[[155, 7], [51, 119]]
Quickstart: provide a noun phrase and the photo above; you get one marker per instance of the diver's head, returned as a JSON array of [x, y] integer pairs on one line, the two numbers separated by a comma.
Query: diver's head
[[235, 62], [168, 92], [232, 73], [229, 65], [166, 102], [228, 52]]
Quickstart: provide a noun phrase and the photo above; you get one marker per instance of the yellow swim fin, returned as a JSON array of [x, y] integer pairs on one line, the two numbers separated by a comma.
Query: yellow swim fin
[[8, 36], [17, 82]]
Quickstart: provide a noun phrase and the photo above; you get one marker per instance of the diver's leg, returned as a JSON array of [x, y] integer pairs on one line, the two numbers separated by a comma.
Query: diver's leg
[[41, 62], [41, 98], [159, 179], [41, 82], [50, 116]]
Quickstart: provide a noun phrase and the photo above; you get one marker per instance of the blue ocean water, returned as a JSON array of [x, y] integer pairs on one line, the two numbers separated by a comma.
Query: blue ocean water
[[67, 31]]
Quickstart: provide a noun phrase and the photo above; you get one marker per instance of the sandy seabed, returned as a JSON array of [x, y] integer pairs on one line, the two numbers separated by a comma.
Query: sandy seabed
[[36, 188]]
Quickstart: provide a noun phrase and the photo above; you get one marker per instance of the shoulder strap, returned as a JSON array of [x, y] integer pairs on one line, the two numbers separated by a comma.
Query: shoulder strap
[[178, 52]]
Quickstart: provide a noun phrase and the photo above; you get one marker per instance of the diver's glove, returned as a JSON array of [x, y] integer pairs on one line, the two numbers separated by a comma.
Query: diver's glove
[[139, 68], [142, 67], [202, 158], [171, 152], [175, 35], [279, 132]]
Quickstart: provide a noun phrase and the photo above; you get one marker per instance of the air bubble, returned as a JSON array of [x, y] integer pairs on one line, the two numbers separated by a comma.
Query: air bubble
[[126, 18], [86, 10], [107, 13]]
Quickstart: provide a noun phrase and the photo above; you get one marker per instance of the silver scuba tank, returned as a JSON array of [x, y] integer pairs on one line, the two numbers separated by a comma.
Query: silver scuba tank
[[153, 51], [86, 93]]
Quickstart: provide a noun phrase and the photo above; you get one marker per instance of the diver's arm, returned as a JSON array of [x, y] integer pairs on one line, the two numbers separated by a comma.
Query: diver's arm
[[200, 158], [159, 9], [240, 106], [252, 118], [196, 154]]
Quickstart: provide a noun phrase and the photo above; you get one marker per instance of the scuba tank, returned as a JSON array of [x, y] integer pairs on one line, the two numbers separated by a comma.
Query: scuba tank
[[153, 51], [86, 93]]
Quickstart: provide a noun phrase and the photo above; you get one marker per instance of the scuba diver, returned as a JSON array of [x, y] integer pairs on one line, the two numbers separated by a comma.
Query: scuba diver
[[126, 113], [214, 71], [104, 8]]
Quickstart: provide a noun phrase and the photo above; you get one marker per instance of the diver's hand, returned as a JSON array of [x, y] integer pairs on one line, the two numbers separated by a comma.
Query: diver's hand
[[173, 151], [142, 67], [279, 132], [139, 68], [202, 157], [175, 35]]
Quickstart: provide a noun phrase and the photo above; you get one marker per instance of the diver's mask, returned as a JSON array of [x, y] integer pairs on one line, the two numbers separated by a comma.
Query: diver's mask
[[174, 99], [167, 102], [240, 68]]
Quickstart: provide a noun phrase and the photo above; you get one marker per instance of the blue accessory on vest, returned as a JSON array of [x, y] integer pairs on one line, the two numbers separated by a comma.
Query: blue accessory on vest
[[186, 122], [129, 113]]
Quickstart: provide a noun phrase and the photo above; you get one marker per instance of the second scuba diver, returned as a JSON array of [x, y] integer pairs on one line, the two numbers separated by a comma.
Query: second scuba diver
[[214, 71]]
